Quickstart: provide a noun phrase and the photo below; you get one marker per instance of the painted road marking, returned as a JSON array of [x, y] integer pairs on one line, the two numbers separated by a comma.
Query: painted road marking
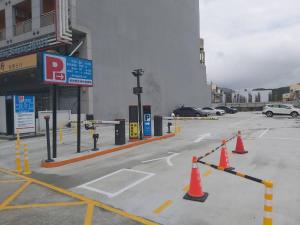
[[263, 133], [186, 188], [163, 206], [15, 194], [43, 205], [167, 158], [82, 198], [201, 137], [11, 181], [207, 173], [88, 220], [111, 195]]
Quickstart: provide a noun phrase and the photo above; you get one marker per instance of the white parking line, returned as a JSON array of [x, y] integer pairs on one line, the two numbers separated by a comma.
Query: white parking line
[[263, 133], [167, 158], [203, 136], [111, 195]]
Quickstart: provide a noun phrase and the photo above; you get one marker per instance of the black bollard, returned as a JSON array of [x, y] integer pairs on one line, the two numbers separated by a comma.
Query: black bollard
[[169, 127], [96, 138], [47, 118]]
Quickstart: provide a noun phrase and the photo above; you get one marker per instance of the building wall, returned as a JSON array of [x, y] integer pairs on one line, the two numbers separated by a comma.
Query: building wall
[[162, 37]]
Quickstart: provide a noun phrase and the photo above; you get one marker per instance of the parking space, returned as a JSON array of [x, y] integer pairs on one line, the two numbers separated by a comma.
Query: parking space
[[151, 180]]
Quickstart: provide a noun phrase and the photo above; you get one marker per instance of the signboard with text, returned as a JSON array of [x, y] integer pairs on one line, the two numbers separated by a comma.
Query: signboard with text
[[24, 114], [16, 64], [65, 70]]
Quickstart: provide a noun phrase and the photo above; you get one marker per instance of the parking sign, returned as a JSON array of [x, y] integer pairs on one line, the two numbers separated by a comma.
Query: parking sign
[[65, 70]]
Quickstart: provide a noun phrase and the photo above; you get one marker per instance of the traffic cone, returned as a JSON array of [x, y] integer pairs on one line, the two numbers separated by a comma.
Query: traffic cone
[[26, 161], [195, 192], [18, 158], [239, 148], [224, 159]]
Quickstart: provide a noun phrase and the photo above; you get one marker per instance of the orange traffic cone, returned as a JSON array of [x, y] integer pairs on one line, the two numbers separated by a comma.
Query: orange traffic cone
[[239, 148], [224, 159], [195, 192]]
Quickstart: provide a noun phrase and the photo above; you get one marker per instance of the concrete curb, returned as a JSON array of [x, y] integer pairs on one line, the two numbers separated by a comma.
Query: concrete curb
[[95, 154]]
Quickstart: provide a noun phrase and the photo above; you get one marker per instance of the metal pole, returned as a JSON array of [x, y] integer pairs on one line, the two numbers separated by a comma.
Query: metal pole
[[47, 118], [54, 122], [78, 119], [140, 108]]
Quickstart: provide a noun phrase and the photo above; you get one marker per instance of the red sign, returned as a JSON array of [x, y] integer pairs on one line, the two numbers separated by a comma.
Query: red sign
[[55, 69]]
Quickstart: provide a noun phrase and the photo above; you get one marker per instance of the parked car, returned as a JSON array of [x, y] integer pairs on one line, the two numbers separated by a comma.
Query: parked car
[[189, 112], [281, 109], [228, 109], [213, 111]]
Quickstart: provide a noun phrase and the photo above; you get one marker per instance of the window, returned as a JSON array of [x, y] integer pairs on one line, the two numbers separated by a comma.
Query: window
[[22, 17], [47, 12], [2, 25]]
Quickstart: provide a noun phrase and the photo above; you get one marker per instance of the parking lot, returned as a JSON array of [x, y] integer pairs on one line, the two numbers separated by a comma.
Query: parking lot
[[148, 182]]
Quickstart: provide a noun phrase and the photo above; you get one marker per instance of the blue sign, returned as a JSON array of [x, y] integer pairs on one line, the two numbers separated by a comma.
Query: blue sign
[[24, 104], [147, 125], [65, 70], [24, 114]]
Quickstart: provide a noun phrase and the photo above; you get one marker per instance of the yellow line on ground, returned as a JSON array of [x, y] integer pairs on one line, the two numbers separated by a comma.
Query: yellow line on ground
[[88, 220], [125, 214], [40, 205], [80, 197], [186, 188], [15, 194], [207, 173], [163, 206], [11, 181]]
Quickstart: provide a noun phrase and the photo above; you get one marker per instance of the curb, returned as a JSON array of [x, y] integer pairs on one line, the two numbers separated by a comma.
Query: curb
[[93, 155]]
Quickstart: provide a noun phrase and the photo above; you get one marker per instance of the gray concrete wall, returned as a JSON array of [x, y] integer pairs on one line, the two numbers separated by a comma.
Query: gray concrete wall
[[162, 37]]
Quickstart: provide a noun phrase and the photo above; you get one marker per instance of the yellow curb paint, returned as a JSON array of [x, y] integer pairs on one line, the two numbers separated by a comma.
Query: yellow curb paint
[[80, 197], [163, 206], [42, 205], [11, 181], [15, 194], [88, 220]]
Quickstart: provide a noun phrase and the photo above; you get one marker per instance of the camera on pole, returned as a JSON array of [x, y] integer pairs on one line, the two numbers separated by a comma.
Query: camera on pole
[[138, 90]]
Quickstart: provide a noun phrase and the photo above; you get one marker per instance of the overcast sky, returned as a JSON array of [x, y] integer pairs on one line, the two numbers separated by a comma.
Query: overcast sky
[[251, 43]]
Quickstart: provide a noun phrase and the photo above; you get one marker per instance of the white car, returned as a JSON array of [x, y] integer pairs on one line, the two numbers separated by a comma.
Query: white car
[[281, 109], [213, 111]]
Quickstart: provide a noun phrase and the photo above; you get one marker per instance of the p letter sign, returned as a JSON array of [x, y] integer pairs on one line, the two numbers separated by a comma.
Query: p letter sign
[[66, 70]]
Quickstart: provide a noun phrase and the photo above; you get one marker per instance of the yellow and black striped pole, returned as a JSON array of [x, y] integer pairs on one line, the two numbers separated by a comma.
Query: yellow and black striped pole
[[268, 208], [268, 190]]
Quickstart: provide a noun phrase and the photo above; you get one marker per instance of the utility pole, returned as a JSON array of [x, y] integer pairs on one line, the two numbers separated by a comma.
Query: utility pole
[[138, 90]]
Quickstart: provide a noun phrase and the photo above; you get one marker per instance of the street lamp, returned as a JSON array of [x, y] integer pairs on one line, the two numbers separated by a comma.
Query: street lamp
[[138, 90]]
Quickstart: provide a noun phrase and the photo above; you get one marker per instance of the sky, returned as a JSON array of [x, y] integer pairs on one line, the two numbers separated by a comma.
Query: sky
[[251, 43]]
